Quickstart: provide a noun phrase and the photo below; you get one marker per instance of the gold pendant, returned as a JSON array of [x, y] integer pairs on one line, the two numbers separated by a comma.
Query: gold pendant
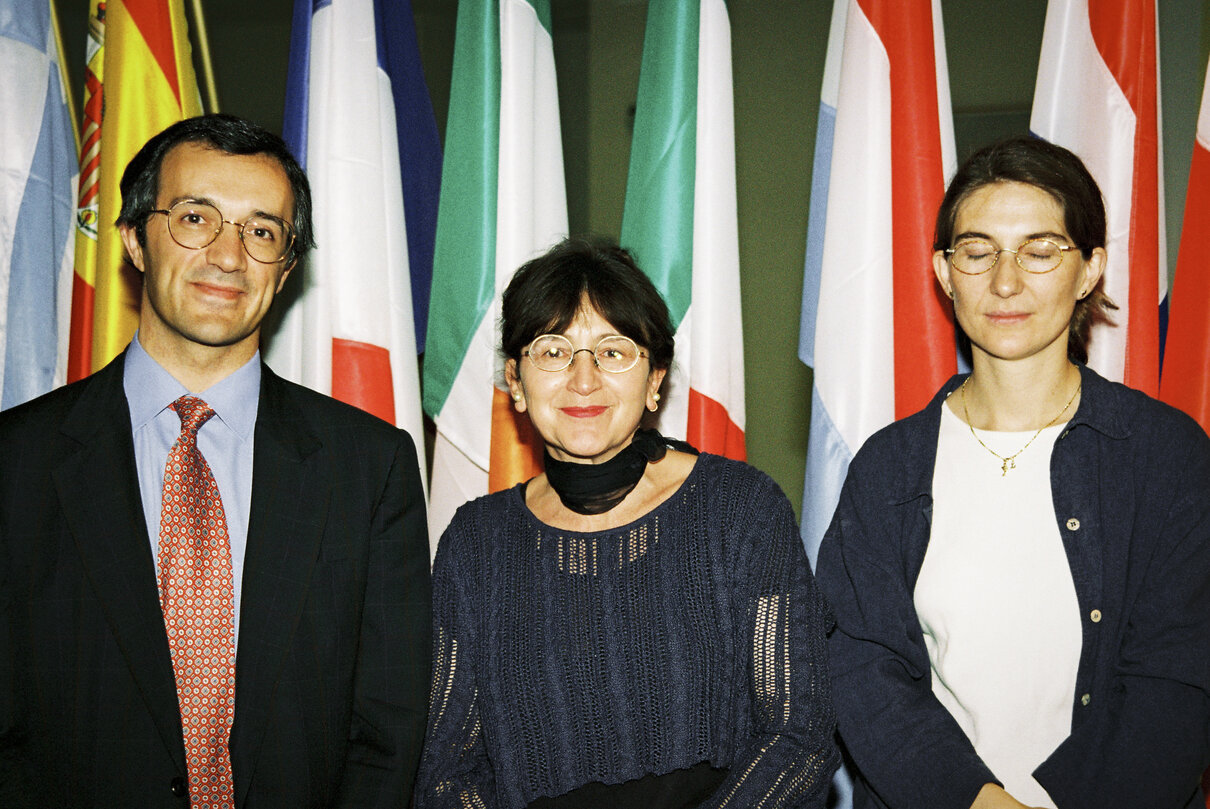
[[1009, 463]]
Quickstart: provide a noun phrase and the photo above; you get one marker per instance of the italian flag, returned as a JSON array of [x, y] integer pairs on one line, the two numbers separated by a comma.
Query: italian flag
[[680, 217], [503, 201], [139, 57]]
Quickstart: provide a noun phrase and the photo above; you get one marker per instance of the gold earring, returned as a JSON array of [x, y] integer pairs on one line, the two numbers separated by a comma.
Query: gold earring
[[516, 397], [656, 396]]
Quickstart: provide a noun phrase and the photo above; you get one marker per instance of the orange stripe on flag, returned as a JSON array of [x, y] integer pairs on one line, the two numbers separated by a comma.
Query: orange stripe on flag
[[154, 21], [361, 376], [711, 430], [516, 451]]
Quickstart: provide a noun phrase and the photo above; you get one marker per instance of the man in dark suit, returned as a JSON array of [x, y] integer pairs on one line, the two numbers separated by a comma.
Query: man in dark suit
[[301, 581]]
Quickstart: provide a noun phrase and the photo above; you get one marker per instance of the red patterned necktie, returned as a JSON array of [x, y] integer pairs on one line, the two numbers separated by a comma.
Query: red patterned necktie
[[197, 597]]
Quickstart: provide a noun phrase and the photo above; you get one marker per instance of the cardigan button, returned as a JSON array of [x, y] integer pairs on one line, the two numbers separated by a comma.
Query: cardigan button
[[1073, 524], [1095, 615], [1085, 699], [178, 787]]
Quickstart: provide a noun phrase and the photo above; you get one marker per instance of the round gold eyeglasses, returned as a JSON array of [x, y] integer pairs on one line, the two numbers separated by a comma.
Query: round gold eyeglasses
[[613, 354], [194, 225], [977, 256]]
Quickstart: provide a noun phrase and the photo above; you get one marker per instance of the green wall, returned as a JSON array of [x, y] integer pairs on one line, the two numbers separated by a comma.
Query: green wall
[[778, 57]]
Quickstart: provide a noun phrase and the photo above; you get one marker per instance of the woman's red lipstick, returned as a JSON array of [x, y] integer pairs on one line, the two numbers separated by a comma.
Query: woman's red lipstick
[[584, 412]]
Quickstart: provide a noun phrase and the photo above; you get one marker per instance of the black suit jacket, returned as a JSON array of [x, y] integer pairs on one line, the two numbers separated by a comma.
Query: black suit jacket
[[332, 666]]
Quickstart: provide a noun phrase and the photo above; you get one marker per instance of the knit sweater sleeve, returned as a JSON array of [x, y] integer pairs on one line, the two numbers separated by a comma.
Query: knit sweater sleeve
[[454, 769], [788, 755]]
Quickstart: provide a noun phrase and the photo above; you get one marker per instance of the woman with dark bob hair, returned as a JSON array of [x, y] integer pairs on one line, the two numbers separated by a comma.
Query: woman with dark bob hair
[[637, 626], [1020, 572]]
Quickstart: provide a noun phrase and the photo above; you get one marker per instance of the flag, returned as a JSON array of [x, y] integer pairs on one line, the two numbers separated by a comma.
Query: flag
[[503, 201], [138, 80], [1097, 95], [876, 329], [1186, 375], [359, 119], [37, 191], [679, 220]]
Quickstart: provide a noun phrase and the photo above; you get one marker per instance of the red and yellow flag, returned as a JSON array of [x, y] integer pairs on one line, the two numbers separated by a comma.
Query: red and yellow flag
[[138, 80]]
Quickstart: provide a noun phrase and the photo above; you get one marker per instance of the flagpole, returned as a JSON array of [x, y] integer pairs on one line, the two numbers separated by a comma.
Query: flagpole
[[203, 47], [63, 77]]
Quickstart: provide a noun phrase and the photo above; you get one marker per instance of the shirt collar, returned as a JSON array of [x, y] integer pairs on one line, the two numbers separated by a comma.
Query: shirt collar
[[1100, 408], [150, 388]]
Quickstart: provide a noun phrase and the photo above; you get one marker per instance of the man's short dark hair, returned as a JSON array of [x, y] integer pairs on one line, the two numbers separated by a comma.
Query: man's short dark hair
[[225, 133]]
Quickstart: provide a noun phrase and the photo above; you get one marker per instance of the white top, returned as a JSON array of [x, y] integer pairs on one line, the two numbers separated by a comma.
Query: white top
[[997, 604]]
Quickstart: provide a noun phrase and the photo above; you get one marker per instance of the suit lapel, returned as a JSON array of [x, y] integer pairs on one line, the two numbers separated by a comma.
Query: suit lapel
[[290, 496], [99, 491]]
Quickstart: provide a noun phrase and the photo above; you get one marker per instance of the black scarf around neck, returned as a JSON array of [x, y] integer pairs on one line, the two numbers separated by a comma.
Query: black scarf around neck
[[596, 488]]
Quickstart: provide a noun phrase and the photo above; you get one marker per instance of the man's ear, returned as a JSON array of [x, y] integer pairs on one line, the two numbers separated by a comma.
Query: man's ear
[[281, 282], [134, 250]]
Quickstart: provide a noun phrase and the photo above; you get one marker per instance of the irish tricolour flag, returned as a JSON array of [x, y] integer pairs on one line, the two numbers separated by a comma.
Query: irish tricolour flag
[[502, 203], [680, 216]]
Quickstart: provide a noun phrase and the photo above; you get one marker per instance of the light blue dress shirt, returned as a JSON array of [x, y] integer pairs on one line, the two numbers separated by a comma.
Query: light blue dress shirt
[[225, 441]]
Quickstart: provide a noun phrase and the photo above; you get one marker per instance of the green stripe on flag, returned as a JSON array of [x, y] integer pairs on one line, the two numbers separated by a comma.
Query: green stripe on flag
[[657, 222], [464, 256], [542, 9]]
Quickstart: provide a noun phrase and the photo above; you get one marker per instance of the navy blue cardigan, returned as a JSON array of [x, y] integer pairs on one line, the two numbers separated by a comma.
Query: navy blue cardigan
[[695, 633], [1131, 484]]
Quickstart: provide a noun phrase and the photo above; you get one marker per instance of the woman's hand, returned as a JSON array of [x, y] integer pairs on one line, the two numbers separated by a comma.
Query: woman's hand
[[994, 797]]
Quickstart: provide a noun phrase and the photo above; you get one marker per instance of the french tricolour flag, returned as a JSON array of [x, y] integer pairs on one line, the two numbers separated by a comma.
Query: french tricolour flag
[[1097, 94], [358, 117], [876, 329]]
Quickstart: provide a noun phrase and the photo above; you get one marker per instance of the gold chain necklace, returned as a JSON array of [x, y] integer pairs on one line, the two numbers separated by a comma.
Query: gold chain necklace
[[1010, 462]]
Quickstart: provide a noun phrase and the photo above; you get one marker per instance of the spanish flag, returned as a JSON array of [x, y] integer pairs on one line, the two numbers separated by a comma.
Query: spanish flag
[[139, 79]]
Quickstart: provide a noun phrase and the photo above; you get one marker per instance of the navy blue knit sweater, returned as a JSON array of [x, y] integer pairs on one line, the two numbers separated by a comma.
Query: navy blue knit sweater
[[695, 633]]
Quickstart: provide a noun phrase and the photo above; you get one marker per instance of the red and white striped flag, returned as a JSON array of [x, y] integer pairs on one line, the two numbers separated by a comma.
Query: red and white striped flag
[[1186, 378], [875, 327], [1097, 94], [680, 216]]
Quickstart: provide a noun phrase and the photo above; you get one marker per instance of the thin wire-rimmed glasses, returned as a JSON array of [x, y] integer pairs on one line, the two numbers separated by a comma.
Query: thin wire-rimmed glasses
[[613, 354], [977, 256], [195, 225]]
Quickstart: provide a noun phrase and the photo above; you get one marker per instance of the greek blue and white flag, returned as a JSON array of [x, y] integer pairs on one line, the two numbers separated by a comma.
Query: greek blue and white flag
[[38, 171]]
